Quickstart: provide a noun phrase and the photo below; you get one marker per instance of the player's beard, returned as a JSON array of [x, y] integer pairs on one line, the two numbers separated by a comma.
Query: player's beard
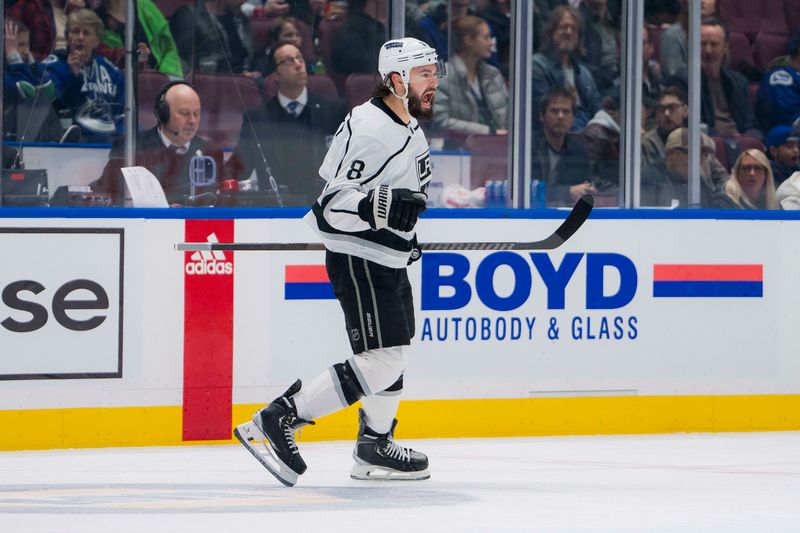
[[415, 107]]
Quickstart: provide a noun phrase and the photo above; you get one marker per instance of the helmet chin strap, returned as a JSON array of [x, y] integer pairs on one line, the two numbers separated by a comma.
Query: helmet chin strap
[[403, 98]]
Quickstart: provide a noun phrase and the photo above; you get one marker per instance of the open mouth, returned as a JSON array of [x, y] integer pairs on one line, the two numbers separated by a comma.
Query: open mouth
[[427, 99]]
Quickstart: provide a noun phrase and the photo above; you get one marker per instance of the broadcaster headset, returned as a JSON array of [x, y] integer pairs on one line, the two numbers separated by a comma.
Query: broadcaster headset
[[161, 106]]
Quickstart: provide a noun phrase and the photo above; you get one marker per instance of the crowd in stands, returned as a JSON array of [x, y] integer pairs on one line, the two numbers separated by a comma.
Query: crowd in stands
[[310, 60]]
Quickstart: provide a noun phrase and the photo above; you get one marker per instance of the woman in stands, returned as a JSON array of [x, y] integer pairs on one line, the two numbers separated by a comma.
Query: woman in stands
[[751, 185], [285, 30], [473, 97]]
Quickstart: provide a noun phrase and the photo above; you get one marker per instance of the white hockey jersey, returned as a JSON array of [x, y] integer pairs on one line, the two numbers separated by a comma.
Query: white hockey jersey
[[372, 147]]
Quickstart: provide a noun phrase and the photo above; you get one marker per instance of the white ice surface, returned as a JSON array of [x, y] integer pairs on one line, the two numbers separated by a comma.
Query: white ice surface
[[747, 482]]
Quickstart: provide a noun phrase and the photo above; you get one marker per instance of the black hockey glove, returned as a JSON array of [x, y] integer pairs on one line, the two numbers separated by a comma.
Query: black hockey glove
[[395, 208]]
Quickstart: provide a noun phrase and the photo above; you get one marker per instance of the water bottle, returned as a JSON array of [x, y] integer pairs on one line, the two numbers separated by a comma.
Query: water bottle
[[502, 198], [538, 194], [491, 193]]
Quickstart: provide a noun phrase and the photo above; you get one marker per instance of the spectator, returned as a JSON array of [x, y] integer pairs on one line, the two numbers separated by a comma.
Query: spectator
[[601, 42], [601, 136], [788, 194], [751, 185], [433, 27], [652, 81], [725, 105], [47, 20], [497, 14], [156, 48], [665, 183], [166, 149], [778, 99], [289, 133], [309, 11], [673, 49], [356, 46], [708, 8], [671, 113], [558, 65], [214, 39], [560, 159], [28, 91], [783, 147], [473, 98], [87, 84], [284, 30]]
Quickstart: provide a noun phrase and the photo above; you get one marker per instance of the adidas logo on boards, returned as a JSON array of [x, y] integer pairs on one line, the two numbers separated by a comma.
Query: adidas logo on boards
[[209, 263]]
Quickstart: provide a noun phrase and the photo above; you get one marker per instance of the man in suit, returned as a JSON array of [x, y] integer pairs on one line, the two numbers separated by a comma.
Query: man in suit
[[167, 149], [287, 137]]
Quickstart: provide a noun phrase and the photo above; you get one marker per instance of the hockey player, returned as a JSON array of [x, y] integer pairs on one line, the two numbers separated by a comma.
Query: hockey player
[[377, 170]]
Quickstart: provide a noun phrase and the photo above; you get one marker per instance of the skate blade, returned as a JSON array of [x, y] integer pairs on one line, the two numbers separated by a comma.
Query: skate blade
[[379, 473], [256, 442]]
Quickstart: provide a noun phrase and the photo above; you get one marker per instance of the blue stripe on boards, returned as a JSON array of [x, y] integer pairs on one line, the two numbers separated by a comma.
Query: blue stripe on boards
[[308, 291], [702, 289]]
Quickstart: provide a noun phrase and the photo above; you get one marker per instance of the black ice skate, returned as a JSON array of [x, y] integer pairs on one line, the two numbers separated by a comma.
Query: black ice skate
[[378, 456], [270, 437]]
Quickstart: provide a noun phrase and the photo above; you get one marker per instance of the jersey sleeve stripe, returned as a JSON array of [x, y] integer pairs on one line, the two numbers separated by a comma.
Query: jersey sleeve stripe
[[346, 147]]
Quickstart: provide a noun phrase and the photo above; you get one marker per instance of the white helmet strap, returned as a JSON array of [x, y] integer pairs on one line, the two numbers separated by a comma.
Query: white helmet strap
[[403, 98]]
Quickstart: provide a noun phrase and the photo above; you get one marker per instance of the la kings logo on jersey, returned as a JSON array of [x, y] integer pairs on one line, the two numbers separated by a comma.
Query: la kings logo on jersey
[[424, 168]]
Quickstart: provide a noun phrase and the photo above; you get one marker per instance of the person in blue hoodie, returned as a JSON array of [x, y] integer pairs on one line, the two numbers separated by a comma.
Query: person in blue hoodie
[[28, 91], [778, 98], [87, 84]]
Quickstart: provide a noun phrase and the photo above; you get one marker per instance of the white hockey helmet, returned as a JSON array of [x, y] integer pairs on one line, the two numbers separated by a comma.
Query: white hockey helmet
[[401, 55]]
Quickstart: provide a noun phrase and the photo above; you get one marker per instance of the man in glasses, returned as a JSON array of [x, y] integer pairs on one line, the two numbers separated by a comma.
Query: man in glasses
[[671, 113], [288, 134]]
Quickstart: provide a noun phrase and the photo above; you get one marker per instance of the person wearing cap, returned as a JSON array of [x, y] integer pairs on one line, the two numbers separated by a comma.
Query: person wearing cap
[[778, 97], [666, 183], [751, 185], [377, 170], [783, 148]]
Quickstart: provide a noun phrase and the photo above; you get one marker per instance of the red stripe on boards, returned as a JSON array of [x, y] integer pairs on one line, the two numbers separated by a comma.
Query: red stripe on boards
[[208, 334], [306, 274], [708, 272]]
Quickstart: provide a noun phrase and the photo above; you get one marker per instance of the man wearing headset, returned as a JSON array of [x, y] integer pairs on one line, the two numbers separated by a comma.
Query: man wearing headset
[[377, 170], [167, 149]]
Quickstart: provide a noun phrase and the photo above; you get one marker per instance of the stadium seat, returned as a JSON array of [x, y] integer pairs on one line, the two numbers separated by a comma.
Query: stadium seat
[[168, 7], [728, 147], [742, 16], [739, 52], [773, 19], [358, 88], [148, 85], [225, 97], [767, 47], [489, 158], [319, 84], [791, 10], [327, 31]]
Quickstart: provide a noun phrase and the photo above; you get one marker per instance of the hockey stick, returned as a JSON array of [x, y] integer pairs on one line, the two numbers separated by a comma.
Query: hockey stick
[[577, 216]]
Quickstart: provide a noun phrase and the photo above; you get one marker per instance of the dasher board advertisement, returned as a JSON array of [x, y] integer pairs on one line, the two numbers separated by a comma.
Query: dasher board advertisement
[[61, 303]]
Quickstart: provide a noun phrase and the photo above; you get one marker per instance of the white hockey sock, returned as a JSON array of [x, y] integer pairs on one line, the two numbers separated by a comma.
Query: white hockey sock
[[318, 398], [381, 409]]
